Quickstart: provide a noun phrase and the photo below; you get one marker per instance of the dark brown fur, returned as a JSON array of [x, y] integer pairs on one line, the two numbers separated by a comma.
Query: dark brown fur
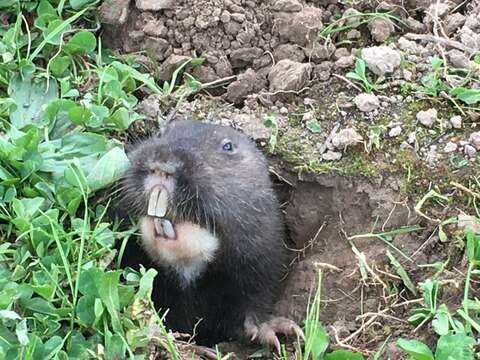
[[231, 194]]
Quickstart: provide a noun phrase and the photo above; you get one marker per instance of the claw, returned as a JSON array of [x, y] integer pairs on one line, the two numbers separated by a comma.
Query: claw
[[266, 332], [203, 351]]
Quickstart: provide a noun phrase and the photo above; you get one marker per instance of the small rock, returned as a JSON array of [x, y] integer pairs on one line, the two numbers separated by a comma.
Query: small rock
[[223, 68], [157, 46], [331, 155], [470, 38], [454, 22], [354, 34], [244, 56], [283, 110], [366, 102], [247, 83], [289, 51], [456, 121], [450, 147], [226, 17], [468, 222], [150, 107], [155, 5], [458, 59], [474, 139], [169, 66], [289, 75], [395, 131], [407, 74], [204, 74], [252, 126], [436, 10], [381, 29], [408, 46], [287, 6], [412, 137], [415, 25], [155, 28], [470, 151], [427, 117], [114, 12], [340, 52], [381, 60], [307, 116], [302, 29], [352, 17], [240, 18], [323, 71], [345, 62], [346, 137]]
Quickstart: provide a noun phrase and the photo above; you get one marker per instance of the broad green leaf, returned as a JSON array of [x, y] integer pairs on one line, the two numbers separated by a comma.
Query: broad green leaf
[[440, 322], [99, 113], [430, 292], [317, 344], [5, 4], [314, 126], [45, 8], [52, 347], [343, 355], [126, 295], [114, 346], [146, 284], [59, 65], [46, 291], [30, 96], [473, 246], [113, 88], [121, 119], [57, 114], [360, 67], [455, 347], [108, 169], [416, 349], [39, 305], [354, 76], [9, 315], [55, 30], [28, 208], [80, 4], [436, 63], [145, 79], [79, 115], [22, 332], [107, 287], [87, 282], [83, 42], [85, 309], [468, 96]]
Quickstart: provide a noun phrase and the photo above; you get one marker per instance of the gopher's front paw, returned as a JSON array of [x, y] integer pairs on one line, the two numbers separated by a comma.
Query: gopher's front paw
[[266, 333]]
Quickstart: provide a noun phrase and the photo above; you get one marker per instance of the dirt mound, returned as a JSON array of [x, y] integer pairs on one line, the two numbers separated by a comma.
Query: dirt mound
[[288, 59], [233, 36]]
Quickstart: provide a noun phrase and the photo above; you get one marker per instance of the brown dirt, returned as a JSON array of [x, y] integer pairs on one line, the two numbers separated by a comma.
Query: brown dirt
[[247, 38]]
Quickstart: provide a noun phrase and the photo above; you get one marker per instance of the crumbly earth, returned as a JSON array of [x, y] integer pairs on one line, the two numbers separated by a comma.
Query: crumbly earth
[[347, 162]]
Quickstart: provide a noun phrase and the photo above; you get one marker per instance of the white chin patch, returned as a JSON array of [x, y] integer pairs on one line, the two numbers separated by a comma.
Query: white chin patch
[[188, 255]]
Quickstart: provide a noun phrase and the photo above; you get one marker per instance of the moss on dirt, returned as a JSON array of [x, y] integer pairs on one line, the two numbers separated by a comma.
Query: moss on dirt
[[300, 148]]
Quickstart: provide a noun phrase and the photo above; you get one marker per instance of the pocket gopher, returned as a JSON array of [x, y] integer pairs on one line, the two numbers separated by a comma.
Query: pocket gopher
[[211, 225]]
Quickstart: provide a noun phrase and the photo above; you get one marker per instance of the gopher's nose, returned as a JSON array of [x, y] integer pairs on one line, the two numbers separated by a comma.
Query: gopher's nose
[[164, 169]]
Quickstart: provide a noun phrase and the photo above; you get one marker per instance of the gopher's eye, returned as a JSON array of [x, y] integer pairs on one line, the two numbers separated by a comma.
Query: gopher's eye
[[227, 146]]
